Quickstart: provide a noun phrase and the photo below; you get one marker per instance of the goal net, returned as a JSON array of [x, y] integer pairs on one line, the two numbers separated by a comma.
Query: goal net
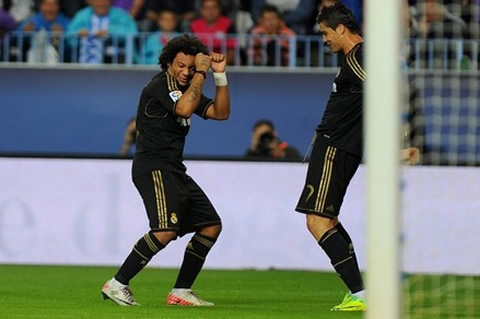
[[440, 200]]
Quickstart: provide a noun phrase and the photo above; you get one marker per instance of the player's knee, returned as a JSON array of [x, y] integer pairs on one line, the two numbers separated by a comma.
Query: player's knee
[[318, 225], [165, 236], [212, 231]]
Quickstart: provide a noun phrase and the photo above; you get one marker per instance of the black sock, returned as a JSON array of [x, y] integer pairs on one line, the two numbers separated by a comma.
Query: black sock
[[145, 248], [337, 249], [349, 241], [195, 254]]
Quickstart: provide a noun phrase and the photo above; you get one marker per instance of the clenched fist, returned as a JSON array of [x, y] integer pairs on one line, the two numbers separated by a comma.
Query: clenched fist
[[203, 62]]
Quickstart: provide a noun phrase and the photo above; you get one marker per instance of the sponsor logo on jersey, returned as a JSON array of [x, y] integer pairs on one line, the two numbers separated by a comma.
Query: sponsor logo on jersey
[[175, 95]]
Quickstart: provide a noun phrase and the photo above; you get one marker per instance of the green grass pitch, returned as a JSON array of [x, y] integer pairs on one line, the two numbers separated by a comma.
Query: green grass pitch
[[74, 292]]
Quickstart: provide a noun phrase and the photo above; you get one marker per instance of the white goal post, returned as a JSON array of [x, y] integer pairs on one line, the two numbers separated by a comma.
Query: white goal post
[[382, 148]]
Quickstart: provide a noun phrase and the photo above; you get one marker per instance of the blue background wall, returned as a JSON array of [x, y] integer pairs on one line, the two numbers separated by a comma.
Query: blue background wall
[[86, 110]]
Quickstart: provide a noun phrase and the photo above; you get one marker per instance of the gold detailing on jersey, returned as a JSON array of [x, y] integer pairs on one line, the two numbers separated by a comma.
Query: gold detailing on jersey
[[172, 83], [174, 218], [354, 65], [150, 243], [160, 196], [136, 250], [311, 190], [175, 84], [325, 179], [203, 241], [169, 82]]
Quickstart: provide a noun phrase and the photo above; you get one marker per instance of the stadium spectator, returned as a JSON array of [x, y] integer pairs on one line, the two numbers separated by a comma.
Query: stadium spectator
[[185, 10], [18, 9], [271, 34], [213, 29], [167, 29], [7, 23], [67, 7], [296, 13], [134, 7], [41, 46], [265, 143], [434, 20], [71, 7], [229, 7], [96, 24], [49, 18], [243, 17]]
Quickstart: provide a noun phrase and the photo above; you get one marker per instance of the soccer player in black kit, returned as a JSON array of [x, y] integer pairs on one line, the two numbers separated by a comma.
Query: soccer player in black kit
[[175, 204], [337, 153]]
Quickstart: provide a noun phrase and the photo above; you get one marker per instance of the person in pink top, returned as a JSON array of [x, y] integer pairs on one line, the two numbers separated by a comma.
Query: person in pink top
[[270, 29], [213, 29]]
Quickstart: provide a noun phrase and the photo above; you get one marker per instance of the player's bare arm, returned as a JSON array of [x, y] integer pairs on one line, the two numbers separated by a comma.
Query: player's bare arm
[[220, 109], [188, 103]]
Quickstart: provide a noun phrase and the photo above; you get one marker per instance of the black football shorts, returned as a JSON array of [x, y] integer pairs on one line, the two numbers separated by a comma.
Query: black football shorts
[[329, 173], [174, 202]]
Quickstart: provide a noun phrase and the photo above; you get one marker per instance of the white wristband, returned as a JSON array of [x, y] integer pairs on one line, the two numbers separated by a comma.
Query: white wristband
[[220, 79]]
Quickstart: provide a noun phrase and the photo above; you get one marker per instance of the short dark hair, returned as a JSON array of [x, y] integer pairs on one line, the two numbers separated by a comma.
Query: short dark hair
[[263, 122], [338, 14], [219, 3], [186, 43], [270, 8]]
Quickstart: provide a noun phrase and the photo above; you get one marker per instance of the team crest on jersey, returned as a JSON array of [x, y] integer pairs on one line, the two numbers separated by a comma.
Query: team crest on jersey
[[175, 95], [173, 218]]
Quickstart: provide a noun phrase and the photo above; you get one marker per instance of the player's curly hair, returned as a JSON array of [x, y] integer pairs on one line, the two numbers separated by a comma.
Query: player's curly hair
[[338, 14], [186, 43]]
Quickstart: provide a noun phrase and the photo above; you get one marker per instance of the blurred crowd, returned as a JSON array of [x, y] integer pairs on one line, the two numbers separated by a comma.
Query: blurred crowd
[[93, 29]]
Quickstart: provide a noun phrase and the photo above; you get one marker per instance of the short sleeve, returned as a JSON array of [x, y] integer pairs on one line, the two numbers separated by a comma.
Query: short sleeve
[[355, 64]]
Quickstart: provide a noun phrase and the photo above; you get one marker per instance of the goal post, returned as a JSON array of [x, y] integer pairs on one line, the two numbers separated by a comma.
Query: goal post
[[383, 35]]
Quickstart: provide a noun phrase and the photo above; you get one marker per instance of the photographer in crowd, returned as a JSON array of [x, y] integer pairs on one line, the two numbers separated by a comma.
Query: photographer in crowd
[[266, 144]]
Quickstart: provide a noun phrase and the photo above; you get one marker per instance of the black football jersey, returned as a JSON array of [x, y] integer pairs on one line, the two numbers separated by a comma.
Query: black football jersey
[[342, 122], [161, 132]]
